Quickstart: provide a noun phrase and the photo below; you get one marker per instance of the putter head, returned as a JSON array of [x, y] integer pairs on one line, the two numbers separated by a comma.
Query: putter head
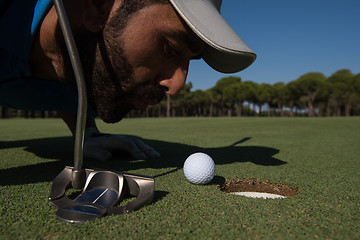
[[100, 195]]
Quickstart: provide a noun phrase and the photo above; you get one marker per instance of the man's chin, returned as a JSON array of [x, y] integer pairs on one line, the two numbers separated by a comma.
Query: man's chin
[[112, 116], [116, 114], [141, 103]]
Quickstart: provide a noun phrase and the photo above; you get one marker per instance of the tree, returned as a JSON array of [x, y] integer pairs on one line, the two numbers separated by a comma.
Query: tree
[[168, 105], [198, 99], [309, 86], [218, 90], [239, 93], [341, 90], [231, 93], [293, 98], [179, 102], [210, 100], [356, 95], [263, 94], [280, 96]]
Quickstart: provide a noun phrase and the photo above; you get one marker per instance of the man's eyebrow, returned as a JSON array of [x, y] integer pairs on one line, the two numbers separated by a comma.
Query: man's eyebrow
[[195, 46]]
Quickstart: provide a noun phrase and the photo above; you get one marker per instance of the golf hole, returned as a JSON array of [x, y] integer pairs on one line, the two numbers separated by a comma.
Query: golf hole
[[258, 189]]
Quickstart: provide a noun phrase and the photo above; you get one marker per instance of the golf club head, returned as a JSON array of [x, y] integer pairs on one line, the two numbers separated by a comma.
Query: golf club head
[[100, 195]]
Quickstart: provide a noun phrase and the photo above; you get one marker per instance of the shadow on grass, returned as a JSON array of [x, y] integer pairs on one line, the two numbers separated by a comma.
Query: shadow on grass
[[173, 155]]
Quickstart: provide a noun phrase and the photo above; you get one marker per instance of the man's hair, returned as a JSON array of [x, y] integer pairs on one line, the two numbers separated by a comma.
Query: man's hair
[[130, 7]]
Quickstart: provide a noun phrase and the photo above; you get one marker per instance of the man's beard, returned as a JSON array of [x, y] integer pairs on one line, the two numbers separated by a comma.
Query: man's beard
[[109, 92], [104, 90]]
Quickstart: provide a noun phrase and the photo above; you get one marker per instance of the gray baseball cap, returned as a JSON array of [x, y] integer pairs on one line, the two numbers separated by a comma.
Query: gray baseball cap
[[224, 51]]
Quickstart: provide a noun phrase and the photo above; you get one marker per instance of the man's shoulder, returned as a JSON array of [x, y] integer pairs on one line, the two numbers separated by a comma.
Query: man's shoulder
[[19, 21]]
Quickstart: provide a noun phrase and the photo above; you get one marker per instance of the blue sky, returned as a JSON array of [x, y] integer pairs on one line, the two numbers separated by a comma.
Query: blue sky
[[291, 38]]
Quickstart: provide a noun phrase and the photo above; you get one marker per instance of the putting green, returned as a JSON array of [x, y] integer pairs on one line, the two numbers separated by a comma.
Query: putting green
[[317, 156]]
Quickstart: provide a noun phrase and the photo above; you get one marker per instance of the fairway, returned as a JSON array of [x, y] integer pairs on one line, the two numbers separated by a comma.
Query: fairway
[[317, 156]]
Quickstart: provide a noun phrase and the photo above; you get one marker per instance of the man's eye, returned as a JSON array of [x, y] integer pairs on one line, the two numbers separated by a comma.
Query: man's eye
[[170, 50]]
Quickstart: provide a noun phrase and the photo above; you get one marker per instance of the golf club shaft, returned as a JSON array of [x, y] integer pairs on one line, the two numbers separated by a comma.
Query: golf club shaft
[[80, 81]]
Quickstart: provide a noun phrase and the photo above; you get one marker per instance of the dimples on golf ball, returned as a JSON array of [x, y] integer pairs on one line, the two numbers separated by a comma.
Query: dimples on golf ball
[[199, 168]]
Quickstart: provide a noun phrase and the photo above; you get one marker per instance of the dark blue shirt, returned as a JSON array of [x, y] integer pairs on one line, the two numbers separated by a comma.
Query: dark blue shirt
[[20, 21]]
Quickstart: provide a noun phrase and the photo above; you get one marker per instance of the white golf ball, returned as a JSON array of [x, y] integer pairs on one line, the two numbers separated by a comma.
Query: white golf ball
[[199, 168]]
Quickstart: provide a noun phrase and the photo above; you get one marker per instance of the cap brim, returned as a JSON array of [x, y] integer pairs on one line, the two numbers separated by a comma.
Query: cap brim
[[225, 51]]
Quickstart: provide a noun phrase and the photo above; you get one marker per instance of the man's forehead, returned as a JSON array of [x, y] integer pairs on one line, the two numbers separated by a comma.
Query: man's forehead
[[165, 20]]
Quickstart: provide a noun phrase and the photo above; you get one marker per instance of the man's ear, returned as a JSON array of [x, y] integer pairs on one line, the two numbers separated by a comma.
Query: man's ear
[[95, 14]]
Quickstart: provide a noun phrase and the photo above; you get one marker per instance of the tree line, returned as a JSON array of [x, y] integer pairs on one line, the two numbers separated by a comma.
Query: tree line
[[312, 94]]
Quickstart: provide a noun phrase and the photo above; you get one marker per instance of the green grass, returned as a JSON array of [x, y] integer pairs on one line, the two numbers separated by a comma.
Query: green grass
[[319, 156]]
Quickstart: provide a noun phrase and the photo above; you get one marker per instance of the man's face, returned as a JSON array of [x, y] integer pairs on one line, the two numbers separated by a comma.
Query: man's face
[[136, 68]]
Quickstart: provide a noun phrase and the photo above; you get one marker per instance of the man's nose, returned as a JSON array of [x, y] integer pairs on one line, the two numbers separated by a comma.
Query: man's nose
[[175, 81]]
